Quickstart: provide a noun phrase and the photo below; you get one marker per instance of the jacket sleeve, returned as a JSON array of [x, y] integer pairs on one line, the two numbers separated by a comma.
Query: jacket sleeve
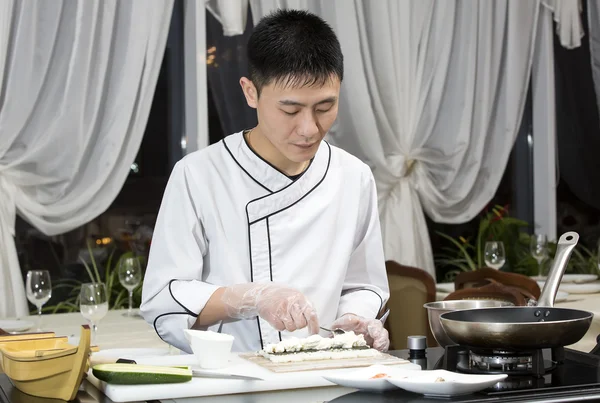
[[365, 290], [173, 293]]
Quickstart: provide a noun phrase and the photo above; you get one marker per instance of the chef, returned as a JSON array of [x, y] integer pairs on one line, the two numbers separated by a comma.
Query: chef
[[272, 231]]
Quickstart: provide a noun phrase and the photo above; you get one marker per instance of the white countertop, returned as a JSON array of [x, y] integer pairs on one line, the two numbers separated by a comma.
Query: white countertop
[[114, 330]]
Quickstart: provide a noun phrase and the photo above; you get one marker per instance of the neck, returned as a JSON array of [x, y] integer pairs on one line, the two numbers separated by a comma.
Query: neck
[[263, 147]]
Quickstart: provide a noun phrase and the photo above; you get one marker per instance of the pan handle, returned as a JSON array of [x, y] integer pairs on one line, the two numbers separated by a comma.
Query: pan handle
[[564, 248], [596, 350]]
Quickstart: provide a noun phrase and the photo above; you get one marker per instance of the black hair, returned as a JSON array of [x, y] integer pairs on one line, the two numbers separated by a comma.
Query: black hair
[[294, 48]]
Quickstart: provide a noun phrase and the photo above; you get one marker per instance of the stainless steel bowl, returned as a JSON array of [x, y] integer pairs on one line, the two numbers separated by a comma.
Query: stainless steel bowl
[[435, 309]]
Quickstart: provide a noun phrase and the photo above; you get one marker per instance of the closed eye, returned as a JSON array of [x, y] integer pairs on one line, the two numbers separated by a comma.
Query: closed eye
[[324, 110], [290, 113]]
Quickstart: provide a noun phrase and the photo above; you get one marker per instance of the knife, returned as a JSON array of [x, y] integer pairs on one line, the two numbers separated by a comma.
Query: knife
[[200, 373], [196, 373]]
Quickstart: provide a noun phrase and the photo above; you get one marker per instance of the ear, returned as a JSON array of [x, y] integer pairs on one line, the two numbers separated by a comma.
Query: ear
[[250, 92]]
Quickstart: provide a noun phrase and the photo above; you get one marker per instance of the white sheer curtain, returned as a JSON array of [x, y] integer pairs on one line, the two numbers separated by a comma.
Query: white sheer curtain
[[594, 28], [77, 81], [567, 15], [432, 99], [230, 13]]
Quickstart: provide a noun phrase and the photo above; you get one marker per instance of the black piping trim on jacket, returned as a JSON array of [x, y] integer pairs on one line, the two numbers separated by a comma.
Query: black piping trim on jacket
[[297, 201], [270, 259], [269, 243], [259, 156], [160, 316], [252, 272], [262, 346], [252, 275], [243, 169], [250, 247], [367, 289], [189, 312], [283, 209], [293, 177]]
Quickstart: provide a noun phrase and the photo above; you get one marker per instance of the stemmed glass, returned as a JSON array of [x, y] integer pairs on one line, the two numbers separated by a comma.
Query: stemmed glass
[[39, 290], [93, 304], [494, 255], [130, 276], [539, 250]]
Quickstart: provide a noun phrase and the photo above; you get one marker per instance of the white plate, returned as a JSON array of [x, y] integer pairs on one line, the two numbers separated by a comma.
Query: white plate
[[132, 353], [445, 287], [561, 296], [577, 288], [361, 379], [571, 278], [16, 325], [453, 384], [584, 288], [578, 278]]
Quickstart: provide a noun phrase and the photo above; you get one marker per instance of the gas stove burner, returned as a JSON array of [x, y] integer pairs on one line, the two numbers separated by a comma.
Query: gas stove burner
[[501, 361], [501, 352], [504, 361], [517, 382], [553, 372]]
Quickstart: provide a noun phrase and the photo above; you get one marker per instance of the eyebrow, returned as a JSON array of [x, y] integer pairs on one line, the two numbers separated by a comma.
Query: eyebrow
[[289, 102]]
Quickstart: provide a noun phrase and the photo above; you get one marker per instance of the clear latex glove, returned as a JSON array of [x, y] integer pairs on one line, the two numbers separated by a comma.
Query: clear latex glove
[[375, 334], [283, 307]]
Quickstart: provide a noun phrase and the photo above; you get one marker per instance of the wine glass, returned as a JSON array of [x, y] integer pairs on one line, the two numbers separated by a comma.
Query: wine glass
[[494, 255], [130, 276], [538, 247], [39, 290], [93, 304]]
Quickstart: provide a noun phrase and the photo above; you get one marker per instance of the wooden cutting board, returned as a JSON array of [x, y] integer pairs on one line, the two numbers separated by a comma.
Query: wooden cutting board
[[321, 364]]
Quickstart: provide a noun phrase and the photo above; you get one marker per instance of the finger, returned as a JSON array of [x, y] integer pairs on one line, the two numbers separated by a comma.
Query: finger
[[288, 322], [347, 322], [380, 336], [273, 316], [276, 323], [312, 320], [382, 343], [297, 316]]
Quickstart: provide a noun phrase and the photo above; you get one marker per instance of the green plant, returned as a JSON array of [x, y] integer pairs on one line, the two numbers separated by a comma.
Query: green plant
[[582, 261], [108, 274], [466, 254]]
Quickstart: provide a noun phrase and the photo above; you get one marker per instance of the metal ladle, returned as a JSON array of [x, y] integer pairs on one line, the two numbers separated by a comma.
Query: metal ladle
[[341, 331]]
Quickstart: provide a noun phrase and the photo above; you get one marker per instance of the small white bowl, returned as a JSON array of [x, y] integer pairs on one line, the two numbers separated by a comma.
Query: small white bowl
[[212, 350]]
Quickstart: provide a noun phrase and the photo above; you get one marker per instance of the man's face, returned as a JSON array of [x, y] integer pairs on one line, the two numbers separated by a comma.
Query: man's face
[[295, 120]]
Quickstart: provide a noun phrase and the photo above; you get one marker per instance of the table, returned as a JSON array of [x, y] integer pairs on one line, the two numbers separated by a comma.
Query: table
[[114, 330], [118, 331], [585, 302]]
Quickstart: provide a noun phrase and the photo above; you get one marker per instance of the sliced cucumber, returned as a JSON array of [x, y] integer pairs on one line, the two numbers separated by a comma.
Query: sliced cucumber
[[133, 374]]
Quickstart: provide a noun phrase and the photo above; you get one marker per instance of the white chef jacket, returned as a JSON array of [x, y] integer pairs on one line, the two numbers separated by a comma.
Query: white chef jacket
[[229, 217]]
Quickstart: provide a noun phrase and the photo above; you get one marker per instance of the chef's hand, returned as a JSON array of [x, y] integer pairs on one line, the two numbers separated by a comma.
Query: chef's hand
[[375, 334], [283, 307]]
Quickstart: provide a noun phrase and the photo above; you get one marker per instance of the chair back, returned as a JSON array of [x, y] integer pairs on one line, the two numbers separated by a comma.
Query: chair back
[[491, 283], [410, 289]]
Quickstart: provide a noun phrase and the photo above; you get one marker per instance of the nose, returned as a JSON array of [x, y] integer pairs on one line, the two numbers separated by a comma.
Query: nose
[[308, 127]]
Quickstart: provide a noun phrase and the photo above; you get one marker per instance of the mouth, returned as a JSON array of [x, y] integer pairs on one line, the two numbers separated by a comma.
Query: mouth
[[305, 146]]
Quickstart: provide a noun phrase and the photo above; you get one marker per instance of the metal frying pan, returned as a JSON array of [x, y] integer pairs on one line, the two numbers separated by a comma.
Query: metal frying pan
[[519, 327]]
